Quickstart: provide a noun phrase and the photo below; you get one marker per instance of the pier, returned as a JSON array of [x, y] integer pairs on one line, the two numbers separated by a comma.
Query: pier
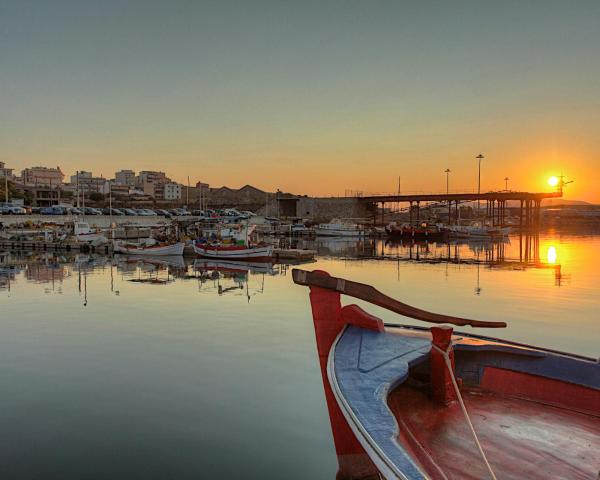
[[495, 205]]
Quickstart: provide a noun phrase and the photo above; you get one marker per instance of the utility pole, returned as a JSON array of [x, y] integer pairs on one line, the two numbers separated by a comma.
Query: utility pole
[[506, 179], [110, 202], [479, 158], [447, 193], [187, 194], [77, 187], [6, 187]]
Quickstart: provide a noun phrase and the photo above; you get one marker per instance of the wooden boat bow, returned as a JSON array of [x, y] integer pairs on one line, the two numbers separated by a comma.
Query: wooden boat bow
[[372, 295]]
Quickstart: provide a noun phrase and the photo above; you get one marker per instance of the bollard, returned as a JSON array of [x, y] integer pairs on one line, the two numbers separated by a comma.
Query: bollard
[[442, 389]]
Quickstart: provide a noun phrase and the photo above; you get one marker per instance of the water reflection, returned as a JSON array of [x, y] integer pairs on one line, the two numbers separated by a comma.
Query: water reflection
[[225, 347], [515, 253]]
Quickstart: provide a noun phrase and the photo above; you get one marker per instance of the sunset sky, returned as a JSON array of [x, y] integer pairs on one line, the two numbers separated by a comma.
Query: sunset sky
[[309, 97]]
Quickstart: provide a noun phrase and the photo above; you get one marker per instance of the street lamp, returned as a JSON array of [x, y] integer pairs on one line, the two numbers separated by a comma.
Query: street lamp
[[479, 157], [506, 179], [447, 192]]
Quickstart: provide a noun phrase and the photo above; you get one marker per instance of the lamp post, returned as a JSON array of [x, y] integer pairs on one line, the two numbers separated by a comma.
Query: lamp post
[[447, 192], [479, 158], [506, 179]]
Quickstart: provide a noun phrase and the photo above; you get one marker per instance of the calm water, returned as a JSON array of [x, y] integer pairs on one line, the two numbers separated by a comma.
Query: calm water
[[199, 375]]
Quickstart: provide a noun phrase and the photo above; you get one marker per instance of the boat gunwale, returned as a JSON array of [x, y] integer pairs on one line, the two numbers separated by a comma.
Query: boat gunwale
[[497, 341], [373, 450]]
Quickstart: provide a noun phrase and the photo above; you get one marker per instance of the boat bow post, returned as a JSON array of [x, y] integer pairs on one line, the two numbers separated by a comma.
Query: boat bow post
[[442, 389], [329, 320]]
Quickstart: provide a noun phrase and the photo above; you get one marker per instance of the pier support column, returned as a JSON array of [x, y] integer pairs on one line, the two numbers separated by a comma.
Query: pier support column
[[521, 214]]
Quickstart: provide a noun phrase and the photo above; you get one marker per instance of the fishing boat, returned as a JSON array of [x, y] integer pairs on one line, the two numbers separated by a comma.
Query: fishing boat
[[148, 247], [235, 245], [84, 233], [478, 230], [233, 251], [423, 231], [337, 228], [413, 403]]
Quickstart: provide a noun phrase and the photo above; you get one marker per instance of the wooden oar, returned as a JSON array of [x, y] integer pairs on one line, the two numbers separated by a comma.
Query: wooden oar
[[374, 296]]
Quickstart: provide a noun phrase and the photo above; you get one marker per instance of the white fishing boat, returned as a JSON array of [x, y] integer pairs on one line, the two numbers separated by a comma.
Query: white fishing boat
[[337, 228], [233, 251], [83, 233], [148, 247], [478, 230]]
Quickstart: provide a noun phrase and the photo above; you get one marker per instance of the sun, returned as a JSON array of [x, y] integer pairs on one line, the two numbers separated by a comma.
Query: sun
[[553, 181]]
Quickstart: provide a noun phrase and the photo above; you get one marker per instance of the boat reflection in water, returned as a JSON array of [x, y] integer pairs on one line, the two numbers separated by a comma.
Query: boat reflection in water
[[225, 276]]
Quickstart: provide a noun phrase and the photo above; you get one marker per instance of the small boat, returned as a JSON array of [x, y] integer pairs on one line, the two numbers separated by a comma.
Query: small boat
[[148, 248], [412, 403], [478, 230], [233, 244], [233, 252], [336, 228], [424, 231], [83, 233]]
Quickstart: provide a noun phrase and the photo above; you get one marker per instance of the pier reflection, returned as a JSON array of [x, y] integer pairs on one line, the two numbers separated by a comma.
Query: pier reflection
[[518, 252]]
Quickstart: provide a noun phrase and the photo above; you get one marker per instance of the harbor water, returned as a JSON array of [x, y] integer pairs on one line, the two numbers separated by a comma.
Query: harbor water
[[164, 368]]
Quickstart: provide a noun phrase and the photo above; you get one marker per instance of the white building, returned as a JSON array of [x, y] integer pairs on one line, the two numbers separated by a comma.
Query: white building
[[172, 191], [125, 177], [6, 172]]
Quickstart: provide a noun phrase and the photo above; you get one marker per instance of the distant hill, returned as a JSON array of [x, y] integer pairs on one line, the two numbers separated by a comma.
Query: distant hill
[[555, 202]]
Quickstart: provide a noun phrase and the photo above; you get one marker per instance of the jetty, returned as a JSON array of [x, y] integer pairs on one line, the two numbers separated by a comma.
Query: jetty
[[529, 212]]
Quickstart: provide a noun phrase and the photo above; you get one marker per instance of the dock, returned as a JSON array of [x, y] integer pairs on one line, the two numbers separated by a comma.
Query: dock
[[293, 254], [30, 245]]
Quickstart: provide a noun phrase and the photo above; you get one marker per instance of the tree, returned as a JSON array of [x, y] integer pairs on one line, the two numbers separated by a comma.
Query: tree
[[96, 197]]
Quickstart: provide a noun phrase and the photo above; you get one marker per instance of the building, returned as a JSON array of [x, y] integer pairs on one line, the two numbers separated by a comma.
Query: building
[[6, 172], [153, 183], [86, 182], [125, 177], [172, 191], [43, 176]]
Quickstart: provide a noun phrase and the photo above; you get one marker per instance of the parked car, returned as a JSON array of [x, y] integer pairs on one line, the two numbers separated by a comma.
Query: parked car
[[74, 211], [164, 213], [91, 211], [129, 211], [12, 210], [56, 210], [117, 212], [149, 212]]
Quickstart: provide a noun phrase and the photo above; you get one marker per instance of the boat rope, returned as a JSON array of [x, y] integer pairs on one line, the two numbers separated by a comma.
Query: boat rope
[[446, 356]]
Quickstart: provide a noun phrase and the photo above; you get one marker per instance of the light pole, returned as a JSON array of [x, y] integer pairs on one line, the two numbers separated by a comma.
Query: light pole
[[447, 192], [479, 158], [506, 179]]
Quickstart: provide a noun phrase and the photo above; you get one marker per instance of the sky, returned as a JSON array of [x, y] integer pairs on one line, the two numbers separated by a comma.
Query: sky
[[311, 97]]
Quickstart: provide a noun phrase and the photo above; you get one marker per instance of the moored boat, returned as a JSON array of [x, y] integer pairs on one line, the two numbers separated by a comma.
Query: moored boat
[[337, 228], [233, 244], [83, 233], [478, 230], [146, 248], [233, 251], [423, 231], [410, 403]]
